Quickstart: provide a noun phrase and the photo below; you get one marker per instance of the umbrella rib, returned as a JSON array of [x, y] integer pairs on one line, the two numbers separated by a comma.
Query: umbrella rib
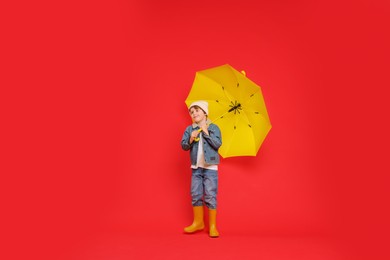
[[252, 133], [224, 91], [238, 83], [232, 136], [244, 103], [219, 117], [256, 112], [223, 88]]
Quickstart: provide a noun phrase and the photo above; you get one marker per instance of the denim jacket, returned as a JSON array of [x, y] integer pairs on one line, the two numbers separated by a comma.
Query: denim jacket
[[211, 144]]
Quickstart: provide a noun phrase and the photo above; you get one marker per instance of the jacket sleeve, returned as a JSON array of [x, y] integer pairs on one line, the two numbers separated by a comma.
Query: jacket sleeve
[[214, 138], [185, 140]]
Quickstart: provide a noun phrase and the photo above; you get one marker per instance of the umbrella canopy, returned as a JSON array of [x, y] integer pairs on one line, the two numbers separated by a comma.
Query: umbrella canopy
[[236, 105]]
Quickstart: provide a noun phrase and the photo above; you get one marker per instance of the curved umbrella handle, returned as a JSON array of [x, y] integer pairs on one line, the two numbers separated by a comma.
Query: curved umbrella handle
[[196, 139]]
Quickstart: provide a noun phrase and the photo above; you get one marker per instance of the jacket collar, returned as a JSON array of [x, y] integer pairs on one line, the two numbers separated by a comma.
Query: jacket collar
[[195, 125]]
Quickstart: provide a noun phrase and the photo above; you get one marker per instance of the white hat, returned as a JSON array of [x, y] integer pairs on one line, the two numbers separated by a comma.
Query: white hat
[[202, 104]]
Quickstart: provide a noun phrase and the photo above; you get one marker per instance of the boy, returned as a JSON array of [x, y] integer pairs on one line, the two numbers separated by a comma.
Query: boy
[[203, 139]]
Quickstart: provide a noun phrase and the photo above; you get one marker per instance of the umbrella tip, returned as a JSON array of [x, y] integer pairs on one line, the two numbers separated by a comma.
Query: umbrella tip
[[243, 72]]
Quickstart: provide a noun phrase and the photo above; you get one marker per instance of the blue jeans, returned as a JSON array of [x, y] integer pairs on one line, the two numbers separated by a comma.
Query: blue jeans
[[204, 182]]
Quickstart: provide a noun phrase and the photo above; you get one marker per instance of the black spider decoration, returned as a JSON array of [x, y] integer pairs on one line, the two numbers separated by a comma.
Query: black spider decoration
[[236, 107]]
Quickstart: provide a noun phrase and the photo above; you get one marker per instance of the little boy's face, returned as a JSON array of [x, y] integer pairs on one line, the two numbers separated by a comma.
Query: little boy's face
[[197, 114]]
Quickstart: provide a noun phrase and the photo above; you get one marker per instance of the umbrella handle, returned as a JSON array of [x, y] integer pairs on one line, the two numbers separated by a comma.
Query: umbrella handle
[[196, 139]]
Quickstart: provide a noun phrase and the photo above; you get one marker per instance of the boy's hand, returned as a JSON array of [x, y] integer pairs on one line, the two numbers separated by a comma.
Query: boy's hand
[[194, 135]]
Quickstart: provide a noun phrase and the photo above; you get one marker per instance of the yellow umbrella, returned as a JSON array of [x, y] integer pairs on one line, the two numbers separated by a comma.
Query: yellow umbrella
[[236, 105]]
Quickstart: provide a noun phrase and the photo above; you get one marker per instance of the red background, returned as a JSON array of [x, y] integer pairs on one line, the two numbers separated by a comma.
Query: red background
[[92, 113]]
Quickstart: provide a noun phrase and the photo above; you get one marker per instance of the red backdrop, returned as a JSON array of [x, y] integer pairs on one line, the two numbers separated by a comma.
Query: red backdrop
[[93, 112]]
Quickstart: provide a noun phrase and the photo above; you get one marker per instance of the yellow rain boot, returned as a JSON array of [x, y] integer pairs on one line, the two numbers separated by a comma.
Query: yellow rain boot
[[213, 232], [198, 223]]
